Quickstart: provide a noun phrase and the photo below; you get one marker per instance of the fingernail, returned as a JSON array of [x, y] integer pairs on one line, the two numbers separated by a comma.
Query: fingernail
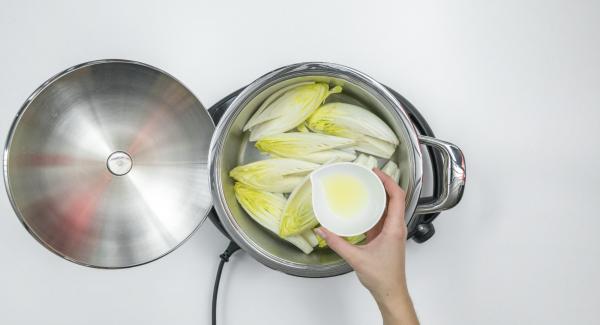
[[321, 233]]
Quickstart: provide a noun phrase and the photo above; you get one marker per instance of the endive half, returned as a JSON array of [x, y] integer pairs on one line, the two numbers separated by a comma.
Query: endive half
[[352, 240], [310, 237], [313, 147], [375, 147], [289, 110], [330, 156], [254, 120], [266, 208], [280, 175], [392, 170], [373, 135], [366, 161], [302, 128], [298, 214]]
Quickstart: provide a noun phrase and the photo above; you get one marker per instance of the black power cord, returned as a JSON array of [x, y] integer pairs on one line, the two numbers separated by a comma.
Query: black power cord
[[231, 248]]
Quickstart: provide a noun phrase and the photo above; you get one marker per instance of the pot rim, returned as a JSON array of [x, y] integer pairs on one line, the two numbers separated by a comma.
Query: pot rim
[[225, 123]]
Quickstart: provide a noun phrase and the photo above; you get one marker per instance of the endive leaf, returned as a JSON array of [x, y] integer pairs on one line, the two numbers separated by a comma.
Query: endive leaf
[[298, 144], [366, 161], [302, 128], [392, 170], [330, 156], [254, 119], [351, 239], [350, 121], [278, 175], [375, 147], [298, 214], [372, 162], [265, 208], [361, 160], [310, 237], [289, 110]]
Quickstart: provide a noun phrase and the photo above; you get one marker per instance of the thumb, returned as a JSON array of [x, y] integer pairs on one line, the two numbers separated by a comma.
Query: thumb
[[343, 248]]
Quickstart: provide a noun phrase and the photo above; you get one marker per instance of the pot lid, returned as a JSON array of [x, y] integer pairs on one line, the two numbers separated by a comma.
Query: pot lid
[[106, 164]]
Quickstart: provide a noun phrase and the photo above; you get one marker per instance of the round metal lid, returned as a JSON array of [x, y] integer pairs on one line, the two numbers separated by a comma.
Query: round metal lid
[[106, 164]]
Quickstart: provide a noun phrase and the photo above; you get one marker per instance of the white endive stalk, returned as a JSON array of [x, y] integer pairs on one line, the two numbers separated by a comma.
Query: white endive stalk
[[392, 170], [330, 156], [361, 160], [375, 147], [310, 237], [366, 161]]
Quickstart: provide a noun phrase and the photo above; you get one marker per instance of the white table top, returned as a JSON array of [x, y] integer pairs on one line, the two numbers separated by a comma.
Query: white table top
[[514, 83]]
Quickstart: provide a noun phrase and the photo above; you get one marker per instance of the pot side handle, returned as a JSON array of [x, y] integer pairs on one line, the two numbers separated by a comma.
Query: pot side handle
[[454, 175]]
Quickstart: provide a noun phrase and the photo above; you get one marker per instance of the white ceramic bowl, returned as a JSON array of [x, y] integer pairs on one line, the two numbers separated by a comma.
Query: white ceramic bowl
[[348, 199]]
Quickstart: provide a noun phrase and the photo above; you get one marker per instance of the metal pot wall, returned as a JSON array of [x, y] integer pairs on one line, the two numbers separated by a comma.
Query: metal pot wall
[[229, 148]]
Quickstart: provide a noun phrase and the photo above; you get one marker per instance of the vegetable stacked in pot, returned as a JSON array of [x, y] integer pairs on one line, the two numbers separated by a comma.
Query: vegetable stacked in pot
[[300, 134]]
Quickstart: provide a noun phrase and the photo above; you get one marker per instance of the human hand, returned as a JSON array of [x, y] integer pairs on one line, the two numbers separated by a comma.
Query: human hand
[[380, 263]]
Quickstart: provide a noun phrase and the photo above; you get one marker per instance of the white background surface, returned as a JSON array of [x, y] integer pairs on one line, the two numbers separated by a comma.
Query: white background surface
[[516, 84]]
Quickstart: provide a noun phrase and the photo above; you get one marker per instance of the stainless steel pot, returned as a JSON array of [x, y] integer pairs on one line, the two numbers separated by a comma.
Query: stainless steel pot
[[229, 148]]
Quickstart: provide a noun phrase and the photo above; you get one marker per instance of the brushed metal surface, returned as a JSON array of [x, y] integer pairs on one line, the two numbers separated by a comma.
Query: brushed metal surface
[[454, 176], [106, 164]]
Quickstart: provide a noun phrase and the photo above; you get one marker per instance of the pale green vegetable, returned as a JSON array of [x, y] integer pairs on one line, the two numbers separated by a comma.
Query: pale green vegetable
[[310, 237], [254, 120], [352, 240], [302, 128], [366, 161], [265, 208], [280, 175], [361, 160], [350, 121], [298, 144], [289, 110], [313, 147], [375, 147], [392, 170], [373, 135], [372, 162], [298, 214], [330, 156], [321, 242]]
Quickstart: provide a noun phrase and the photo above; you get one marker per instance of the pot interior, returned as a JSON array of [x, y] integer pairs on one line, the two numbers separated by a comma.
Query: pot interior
[[237, 150]]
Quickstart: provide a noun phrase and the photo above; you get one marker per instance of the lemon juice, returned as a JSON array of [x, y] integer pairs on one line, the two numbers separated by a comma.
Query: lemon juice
[[345, 193]]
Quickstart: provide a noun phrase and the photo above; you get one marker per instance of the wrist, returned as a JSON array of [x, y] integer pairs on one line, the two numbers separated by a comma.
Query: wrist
[[391, 296], [396, 307]]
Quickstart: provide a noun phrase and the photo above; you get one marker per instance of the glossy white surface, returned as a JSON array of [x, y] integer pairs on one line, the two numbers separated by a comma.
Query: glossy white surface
[[514, 83], [358, 209]]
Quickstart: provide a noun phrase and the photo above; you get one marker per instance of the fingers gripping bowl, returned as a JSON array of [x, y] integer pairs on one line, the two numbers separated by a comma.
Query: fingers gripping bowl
[[231, 147]]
